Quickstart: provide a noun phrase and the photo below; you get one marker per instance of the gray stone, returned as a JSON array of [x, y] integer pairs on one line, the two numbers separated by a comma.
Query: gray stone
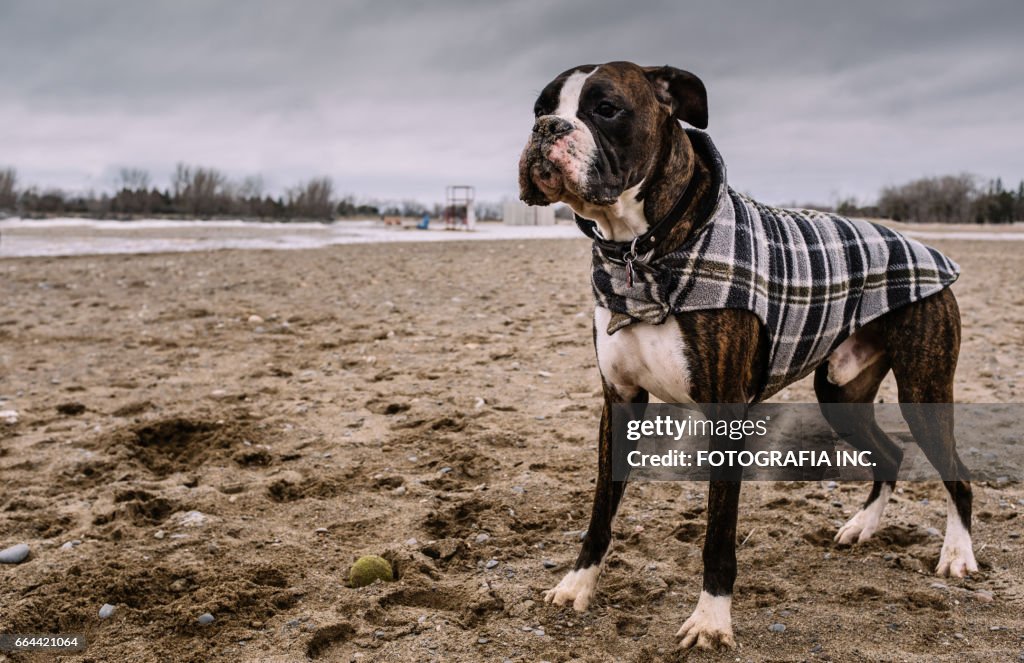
[[106, 610], [205, 618], [549, 564], [16, 554], [491, 564], [777, 628]]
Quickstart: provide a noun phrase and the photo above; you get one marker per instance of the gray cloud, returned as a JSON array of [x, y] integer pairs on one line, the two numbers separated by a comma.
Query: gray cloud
[[809, 100]]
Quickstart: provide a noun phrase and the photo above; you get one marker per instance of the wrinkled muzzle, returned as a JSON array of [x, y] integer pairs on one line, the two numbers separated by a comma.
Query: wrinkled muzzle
[[540, 180], [559, 163]]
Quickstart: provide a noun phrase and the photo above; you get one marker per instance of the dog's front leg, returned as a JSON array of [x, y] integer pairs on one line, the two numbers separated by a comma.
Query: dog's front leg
[[710, 625], [578, 585]]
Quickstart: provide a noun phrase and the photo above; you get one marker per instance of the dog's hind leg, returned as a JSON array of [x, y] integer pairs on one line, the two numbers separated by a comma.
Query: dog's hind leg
[[578, 585], [924, 366], [846, 386]]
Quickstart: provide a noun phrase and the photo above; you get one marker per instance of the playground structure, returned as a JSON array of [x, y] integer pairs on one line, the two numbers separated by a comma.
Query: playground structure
[[458, 207]]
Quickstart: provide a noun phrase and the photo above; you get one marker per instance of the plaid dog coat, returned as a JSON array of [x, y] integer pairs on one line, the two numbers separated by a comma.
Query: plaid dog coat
[[811, 278]]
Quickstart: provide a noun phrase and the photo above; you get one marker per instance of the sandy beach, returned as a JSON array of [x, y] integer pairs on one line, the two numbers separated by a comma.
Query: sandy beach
[[225, 431]]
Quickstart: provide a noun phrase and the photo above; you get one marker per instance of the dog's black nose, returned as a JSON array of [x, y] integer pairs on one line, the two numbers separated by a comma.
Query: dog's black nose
[[552, 125]]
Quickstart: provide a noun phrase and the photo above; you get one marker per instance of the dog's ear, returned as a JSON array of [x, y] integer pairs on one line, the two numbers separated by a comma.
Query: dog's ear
[[681, 91]]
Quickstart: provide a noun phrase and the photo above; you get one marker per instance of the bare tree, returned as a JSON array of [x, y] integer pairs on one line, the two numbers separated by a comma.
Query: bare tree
[[251, 187], [133, 179], [200, 191], [313, 199], [946, 199], [8, 193]]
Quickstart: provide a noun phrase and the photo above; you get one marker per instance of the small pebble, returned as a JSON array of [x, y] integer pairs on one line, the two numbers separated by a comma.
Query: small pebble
[[205, 618], [831, 485], [984, 596], [16, 554], [777, 628], [785, 613], [931, 531], [191, 519], [321, 530], [491, 564], [255, 319], [519, 490], [549, 563], [411, 542], [482, 641], [106, 610], [538, 631], [483, 537], [68, 545]]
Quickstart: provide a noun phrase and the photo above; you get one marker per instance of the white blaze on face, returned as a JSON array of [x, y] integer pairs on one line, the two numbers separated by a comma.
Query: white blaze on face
[[574, 152]]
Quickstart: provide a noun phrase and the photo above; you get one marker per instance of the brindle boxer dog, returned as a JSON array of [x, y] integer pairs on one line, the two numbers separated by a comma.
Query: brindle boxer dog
[[607, 142]]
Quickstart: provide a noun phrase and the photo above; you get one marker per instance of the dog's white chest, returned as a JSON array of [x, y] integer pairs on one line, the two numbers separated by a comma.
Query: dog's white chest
[[643, 356]]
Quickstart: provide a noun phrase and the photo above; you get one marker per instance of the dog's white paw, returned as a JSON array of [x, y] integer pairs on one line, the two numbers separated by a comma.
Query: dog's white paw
[[857, 529], [865, 522], [957, 557], [577, 586], [710, 625]]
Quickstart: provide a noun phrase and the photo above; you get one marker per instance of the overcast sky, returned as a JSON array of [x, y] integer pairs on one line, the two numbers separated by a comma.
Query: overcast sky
[[808, 100]]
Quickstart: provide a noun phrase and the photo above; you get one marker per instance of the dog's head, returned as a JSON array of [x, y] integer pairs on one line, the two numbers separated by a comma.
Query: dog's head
[[598, 129]]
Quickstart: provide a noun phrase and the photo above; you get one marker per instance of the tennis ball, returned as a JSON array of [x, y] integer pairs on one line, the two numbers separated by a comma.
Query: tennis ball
[[369, 568]]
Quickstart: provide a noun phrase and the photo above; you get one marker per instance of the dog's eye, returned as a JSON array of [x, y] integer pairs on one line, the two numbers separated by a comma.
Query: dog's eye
[[606, 109]]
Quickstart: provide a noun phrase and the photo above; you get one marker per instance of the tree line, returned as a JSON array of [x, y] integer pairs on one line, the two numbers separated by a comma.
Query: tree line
[[194, 192], [946, 199], [198, 192]]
